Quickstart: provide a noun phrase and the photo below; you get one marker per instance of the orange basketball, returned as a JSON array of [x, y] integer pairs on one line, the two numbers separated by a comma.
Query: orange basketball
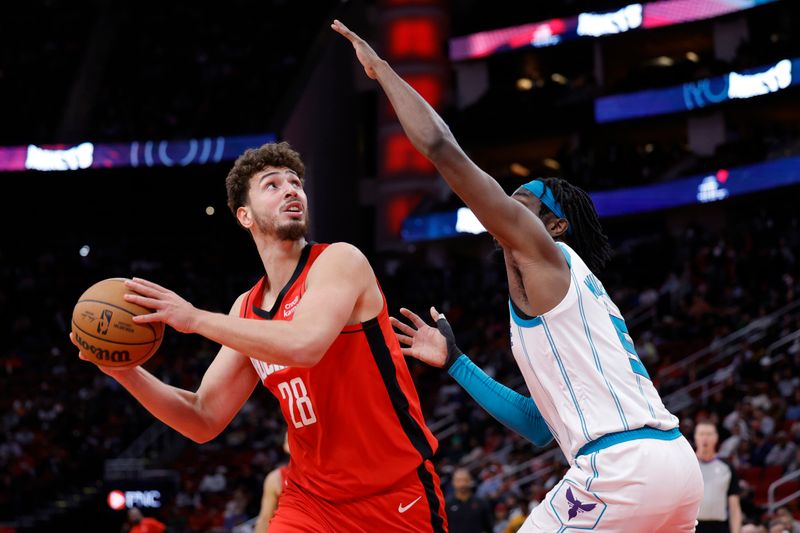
[[103, 326]]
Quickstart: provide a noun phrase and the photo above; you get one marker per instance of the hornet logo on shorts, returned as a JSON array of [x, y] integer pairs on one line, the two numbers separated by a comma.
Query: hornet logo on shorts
[[576, 506], [104, 322], [584, 513]]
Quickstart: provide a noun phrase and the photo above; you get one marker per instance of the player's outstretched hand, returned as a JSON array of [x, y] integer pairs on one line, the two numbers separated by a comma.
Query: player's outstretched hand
[[423, 342], [366, 55]]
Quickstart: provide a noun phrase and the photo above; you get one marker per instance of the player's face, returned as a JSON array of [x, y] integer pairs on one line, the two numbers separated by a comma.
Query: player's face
[[527, 199], [279, 203], [705, 437]]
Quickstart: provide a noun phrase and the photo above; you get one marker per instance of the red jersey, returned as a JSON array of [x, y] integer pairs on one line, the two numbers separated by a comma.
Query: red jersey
[[148, 525], [355, 424], [284, 471]]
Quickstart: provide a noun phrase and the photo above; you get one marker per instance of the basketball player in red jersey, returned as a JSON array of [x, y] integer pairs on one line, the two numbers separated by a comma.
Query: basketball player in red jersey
[[315, 331]]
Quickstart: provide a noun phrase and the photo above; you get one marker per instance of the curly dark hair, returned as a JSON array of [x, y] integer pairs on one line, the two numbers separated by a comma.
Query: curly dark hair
[[253, 160]]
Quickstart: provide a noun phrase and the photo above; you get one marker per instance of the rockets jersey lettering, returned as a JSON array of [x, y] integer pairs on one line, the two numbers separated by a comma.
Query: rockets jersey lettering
[[355, 424], [581, 366]]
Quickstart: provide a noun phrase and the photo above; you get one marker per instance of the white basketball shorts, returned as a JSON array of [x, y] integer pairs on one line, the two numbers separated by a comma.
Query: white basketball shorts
[[645, 485]]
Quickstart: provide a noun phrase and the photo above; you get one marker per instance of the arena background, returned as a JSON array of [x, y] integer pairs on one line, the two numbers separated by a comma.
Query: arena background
[[168, 93]]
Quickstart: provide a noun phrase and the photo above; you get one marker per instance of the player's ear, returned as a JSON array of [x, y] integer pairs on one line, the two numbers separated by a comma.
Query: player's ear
[[558, 226], [555, 226], [244, 216]]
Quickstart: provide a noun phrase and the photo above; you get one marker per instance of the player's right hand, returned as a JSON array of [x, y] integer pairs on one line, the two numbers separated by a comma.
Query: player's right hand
[[88, 357], [366, 55], [435, 346], [423, 342]]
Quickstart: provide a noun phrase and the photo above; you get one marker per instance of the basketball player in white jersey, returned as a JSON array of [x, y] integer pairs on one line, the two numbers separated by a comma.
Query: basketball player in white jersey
[[631, 470]]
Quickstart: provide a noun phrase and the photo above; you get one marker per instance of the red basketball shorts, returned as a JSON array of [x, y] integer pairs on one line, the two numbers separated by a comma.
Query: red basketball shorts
[[415, 504]]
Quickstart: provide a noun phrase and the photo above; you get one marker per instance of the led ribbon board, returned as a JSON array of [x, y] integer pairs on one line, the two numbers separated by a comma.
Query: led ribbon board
[[700, 189], [135, 154], [697, 94], [592, 25]]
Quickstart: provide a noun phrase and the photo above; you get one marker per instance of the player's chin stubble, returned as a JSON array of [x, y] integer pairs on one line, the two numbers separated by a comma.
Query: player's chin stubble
[[292, 231], [289, 231]]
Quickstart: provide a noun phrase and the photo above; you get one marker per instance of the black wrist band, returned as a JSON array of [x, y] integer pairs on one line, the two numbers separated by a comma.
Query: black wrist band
[[453, 351]]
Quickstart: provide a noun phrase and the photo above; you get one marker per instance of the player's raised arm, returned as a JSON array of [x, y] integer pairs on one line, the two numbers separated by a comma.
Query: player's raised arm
[[510, 222]]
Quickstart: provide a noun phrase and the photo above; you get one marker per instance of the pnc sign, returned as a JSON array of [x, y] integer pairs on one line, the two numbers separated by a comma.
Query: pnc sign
[[118, 500]]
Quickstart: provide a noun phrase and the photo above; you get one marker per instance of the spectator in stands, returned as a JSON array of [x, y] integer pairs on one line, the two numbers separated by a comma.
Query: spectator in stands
[[739, 418], [466, 512], [761, 446], [235, 511], [741, 458], [188, 495], [764, 422], [517, 516], [795, 462], [761, 400], [788, 383], [793, 411], [783, 452], [785, 516], [720, 511], [500, 517], [776, 525], [729, 446], [215, 482]]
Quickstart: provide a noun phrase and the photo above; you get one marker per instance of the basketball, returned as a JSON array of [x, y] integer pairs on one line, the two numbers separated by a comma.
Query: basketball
[[103, 325]]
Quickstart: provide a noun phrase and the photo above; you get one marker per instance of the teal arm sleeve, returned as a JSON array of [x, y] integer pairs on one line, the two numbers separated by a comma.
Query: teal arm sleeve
[[515, 411]]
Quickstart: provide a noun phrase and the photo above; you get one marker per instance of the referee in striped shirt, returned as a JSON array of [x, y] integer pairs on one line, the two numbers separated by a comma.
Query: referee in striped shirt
[[720, 511]]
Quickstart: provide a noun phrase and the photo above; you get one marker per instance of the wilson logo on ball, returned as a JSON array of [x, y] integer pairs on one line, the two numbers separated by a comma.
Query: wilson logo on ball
[[115, 356], [103, 326], [105, 321]]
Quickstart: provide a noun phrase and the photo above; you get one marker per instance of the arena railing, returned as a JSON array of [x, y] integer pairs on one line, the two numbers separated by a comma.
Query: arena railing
[[703, 354], [775, 485]]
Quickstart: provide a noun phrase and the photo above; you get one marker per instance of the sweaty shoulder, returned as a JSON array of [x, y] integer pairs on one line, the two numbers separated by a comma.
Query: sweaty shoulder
[[344, 255], [344, 267]]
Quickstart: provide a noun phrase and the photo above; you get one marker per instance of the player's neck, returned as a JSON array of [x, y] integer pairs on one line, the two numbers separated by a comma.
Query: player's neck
[[280, 260]]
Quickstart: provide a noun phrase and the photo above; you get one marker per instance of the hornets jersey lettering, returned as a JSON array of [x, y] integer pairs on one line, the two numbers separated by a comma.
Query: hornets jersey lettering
[[581, 367]]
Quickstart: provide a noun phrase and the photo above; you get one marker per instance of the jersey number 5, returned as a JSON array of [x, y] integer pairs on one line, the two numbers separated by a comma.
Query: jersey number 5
[[295, 392]]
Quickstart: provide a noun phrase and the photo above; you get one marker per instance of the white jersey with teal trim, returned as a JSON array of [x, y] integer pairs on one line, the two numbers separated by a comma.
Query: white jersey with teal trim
[[581, 366]]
